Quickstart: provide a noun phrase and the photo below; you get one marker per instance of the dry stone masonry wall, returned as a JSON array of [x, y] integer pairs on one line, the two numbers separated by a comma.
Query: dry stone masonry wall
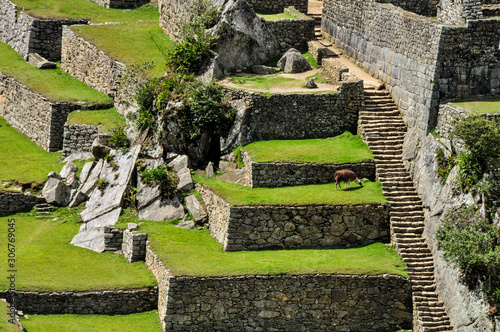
[[120, 3], [459, 12], [273, 6], [294, 116], [274, 227], [120, 302], [27, 34], [292, 33], [449, 114], [272, 174], [113, 239], [12, 202], [134, 246], [333, 69], [78, 138]]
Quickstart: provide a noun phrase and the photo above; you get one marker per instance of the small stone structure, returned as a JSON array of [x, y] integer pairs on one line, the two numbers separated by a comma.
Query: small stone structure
[[281, 302], [333, 69], [317, 51], [119, 302], [293, 116], [113, 238], [312, 226], [120, 3], [14, 202], [27, 34], [78, 138], [134, 246], [271, 174]]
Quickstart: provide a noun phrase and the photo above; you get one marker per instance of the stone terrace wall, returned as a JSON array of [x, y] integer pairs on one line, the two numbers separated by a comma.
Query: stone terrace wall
[[458, 12], [33, 115], [12, 202], [270, 227], [85, 62], [120, 3], [274, 6], [78, 138], [292, 33], [333, 69], [134, 246], [420, 7], [288, 303], [447, 115], [173, 13], [30, 35], [120, 302], [272, 175], [294, 116]]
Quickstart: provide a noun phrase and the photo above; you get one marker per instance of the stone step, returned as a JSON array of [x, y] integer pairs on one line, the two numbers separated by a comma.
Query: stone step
[[386, 148], [381, 109], [380, 117], [378, 100], [413, 230], [423, 264], [373, 92], [409, 251], [403, 214], [396, 128], [434, 312], [380, 120], [47, 208], [44, 213], [396, 226], [380, 112], [430, 287], [382, 152], [416, 269]]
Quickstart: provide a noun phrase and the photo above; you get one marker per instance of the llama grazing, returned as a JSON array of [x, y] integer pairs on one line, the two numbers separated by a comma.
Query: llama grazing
[[347, 176]]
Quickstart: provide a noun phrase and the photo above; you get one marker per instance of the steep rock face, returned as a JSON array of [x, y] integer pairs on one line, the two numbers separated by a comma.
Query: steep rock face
[[467, 308], [244, 38]]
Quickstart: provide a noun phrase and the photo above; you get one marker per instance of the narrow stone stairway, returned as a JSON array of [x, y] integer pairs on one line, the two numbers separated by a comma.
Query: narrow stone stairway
[[383, 129], [43, 210]]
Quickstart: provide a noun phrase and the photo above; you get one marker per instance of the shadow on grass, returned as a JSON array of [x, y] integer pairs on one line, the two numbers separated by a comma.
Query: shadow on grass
[[351, 189]]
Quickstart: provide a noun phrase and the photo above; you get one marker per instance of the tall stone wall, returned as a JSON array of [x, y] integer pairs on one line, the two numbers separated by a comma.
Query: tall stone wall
[[272, 174], [27, 34], [33, 115], [294, 116], [273, 6], [292, 33], [459, 12], [270, 227], [78, 138], [85, 62], [121, 302], [13, 202], [120, 3]]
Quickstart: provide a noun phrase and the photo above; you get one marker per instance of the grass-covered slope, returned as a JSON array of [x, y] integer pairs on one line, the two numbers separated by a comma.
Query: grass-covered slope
[[54, 84], [5, 325], [197, 253], [318, 194], [46, 261], [481, 106], [345, 148], [108, 119], [143, 322]]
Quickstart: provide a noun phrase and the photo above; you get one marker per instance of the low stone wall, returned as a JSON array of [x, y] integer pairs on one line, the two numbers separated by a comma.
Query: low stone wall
[[120, 3], [134, 246], [333, 69], [272, 175], [273, 6], [293, 116], [449, 114], [113, 239], [292, 33], [281, 302], [27, 34], [85, 62], [318, 51], [33, 115], [313, 226], [12, 202], [120, 302], [78, 138]]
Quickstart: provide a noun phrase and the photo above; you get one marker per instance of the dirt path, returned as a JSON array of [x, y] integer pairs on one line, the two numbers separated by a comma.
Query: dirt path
[[315, 7]]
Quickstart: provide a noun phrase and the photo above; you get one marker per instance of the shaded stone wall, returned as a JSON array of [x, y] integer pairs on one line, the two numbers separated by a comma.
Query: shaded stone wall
[[273, 6], [292, 33], [13, 202], [33, 115], [296, 174], [120, 3], [30, 35], [120, 302], [459, 12], [78, 138], [293, 116], [333, 69], [420, 7], [271, 227], [85, 62], [113, 239], [134, 246], [317, 50]]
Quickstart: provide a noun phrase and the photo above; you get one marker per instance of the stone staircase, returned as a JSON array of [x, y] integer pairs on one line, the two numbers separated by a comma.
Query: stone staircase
[[383, 129], [44, 210]]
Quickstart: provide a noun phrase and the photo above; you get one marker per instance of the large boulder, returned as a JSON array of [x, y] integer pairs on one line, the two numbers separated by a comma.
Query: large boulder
[[92, 234], [56, 192], [293, 62], [195, 208], [162, 209]]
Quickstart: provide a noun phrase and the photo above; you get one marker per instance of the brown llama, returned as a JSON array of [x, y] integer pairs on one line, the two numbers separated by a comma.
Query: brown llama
[[347, 176]]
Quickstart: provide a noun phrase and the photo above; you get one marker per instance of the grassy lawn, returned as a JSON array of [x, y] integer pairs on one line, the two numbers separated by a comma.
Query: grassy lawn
[[345, 148], [46, 261], [144, 322], [266, 82], [22, 160], [54, 84], [131, 43], [108, 119], [276, 17], [318, 194], [197, 253], [481, 106], [85, 9], [5, 326]]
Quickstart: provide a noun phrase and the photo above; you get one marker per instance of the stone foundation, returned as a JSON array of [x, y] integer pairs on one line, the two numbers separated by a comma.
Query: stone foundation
[[272, 175], [12, 202], [78, 138], [313, 226]]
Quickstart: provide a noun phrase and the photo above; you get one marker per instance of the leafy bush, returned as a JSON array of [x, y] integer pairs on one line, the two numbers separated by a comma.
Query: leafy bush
[[119, 139], [469, 242], [162, 176]]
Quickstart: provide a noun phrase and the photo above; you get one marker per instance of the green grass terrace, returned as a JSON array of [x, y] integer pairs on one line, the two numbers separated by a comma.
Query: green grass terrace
[[46, 261], [196, 253], [108, 119], [54, 84], [345, 148], [486, 106]]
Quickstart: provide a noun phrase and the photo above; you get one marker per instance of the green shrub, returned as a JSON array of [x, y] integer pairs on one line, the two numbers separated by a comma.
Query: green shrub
[[162, 176], [470, 243], [102, 184], [119, 139]]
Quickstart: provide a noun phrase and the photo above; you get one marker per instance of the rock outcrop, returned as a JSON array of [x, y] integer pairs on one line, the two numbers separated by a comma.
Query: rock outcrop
[[293, 62]]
